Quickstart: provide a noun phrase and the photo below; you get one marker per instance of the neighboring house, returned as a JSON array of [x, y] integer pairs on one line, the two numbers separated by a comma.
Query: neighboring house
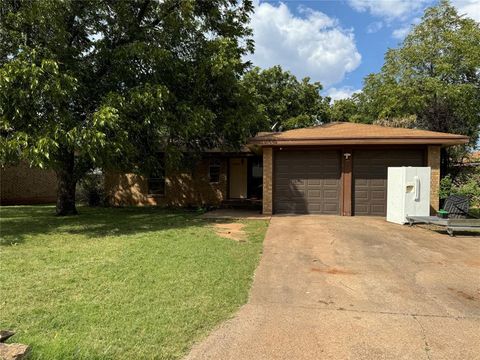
[[336, 168], [473, 159], [21, 185]]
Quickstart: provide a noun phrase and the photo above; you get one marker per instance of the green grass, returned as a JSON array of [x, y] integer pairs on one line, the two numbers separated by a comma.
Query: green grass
[[133, 283]]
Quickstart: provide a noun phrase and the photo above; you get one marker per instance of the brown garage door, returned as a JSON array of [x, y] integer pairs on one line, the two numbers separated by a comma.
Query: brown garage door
[[370, 177], [307, 182]]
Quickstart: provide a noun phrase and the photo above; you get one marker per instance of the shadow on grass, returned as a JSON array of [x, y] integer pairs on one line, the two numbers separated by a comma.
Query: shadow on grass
[[18, 222]]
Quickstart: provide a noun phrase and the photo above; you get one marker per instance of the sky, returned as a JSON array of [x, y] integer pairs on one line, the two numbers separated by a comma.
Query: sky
[[336, 42]]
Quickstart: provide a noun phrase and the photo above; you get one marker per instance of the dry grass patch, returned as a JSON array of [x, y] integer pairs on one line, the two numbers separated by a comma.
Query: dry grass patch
[[234, 231]]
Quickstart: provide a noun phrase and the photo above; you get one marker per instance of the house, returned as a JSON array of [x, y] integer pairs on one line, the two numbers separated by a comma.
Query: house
[[21, 185], [218, 178], [472, 160], [336, 168]]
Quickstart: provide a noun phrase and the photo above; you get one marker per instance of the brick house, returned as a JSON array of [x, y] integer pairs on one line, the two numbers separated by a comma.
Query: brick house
[[21, 184], [336, 168], [217, 179]]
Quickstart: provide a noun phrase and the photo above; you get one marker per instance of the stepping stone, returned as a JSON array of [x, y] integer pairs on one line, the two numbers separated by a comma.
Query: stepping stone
[[13, 351]]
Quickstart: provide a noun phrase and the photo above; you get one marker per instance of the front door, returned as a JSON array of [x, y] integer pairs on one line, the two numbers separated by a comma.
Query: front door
[[238, 178]]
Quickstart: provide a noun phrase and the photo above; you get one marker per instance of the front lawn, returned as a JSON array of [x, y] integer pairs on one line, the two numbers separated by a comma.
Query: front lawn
[[133, 283]]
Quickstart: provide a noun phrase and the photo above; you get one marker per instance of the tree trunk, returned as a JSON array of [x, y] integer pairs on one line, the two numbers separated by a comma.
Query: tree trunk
[[66, 184]]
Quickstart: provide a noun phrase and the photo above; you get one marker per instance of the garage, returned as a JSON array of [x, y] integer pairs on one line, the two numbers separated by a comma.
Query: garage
[[370, 177], [341, 168], [307, 182]]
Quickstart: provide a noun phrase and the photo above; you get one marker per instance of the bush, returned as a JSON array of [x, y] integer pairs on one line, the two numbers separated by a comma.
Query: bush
[[91, 189], [471, 188], [467, 184], [446, 185]]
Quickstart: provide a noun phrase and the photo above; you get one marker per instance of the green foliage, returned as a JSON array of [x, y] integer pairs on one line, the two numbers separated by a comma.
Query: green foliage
[[111, 83], [467, 184], [344, 110], [475, 212], [446, 185], [37, 122], [91, 189], [283, 100], [471, 188], [433, 76]]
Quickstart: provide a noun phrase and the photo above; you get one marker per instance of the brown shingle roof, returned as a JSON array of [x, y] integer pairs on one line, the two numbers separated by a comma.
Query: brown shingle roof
[[343, 133], [472, 158]]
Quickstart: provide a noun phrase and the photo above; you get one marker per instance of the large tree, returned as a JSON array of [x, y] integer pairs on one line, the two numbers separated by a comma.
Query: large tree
[[283, 101], [344, 110], [432, 78], [109, 83]]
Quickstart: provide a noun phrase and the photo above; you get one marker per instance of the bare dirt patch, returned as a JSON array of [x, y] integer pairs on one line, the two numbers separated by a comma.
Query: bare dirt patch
[[233, 231]]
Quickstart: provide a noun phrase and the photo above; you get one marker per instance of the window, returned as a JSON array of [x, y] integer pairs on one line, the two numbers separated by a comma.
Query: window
[[156, 186], [214, 171], [257, 168], [156, 183]]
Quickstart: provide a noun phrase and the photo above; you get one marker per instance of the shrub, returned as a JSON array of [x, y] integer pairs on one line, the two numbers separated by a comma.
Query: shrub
[[91, 189], [446, 185], [467, 184]]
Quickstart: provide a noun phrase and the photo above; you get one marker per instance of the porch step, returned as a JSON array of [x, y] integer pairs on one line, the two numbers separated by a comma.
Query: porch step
[[252, 204]]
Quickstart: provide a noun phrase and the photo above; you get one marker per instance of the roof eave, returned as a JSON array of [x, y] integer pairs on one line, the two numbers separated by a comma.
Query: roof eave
[[362, 141]]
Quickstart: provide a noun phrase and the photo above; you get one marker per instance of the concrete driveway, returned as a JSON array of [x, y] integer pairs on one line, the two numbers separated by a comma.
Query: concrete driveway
[[356, 288]]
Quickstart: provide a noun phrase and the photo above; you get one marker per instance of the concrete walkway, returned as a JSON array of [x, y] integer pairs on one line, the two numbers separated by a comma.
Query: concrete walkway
[[356, 288], [236, 214]]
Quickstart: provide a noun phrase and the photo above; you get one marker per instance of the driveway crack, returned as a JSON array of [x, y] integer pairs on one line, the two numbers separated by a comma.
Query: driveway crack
[[323, 308], [424, 335]]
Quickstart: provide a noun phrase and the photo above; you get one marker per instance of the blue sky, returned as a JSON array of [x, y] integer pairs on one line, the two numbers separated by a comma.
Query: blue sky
[[336, 42]]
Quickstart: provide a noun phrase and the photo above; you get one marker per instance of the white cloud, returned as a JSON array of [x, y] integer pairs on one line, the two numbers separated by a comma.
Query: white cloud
[[400, 33], [470, 8], [390, 9], [403, 9], [403, 31], [374, 27], [312, 45], [341, 93]]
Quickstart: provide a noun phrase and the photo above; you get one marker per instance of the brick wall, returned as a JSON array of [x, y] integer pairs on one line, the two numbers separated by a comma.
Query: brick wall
[[25, 185], [182, 188], [434, 163], [267, 181]]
